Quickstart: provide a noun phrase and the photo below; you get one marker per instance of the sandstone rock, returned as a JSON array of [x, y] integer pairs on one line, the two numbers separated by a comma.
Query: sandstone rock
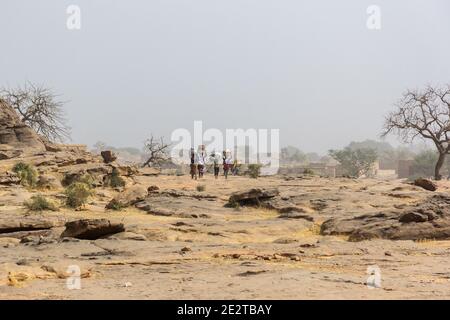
[[128, 197], [187, 194], [128, 236], [413, 217], [296, 215], [152, 189], [15, 133], [24, 234], [98, 171], [427, 220], [425, 184], [9, 178], [8, 152], [48, 182], [252, 196], [91, 229], [108, 156], [282, 206], [12, 225], [147, 171]]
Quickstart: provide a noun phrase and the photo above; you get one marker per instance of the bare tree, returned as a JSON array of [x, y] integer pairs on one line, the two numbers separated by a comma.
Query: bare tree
[[423, 114], [40, 109], [157, 150]]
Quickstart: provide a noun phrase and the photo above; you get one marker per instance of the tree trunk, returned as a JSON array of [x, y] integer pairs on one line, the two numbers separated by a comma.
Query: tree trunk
[[439, 163]]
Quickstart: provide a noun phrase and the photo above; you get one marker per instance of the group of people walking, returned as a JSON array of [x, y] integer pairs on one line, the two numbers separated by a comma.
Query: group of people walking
[[200, 159]]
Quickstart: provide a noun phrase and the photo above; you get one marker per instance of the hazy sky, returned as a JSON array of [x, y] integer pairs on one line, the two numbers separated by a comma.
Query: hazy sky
[[309, 68]]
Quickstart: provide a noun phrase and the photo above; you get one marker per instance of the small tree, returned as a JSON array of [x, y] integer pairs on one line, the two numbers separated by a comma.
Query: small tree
[[77, 194], [39, 108], [355, 162], [157, 151], [27, 174], [424, 114], [424, 163]]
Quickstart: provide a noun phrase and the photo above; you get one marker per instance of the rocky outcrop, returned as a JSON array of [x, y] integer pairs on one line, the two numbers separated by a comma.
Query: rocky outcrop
[[91, 229], [15, 136], [427, 220], [14, 225], [9, 178]]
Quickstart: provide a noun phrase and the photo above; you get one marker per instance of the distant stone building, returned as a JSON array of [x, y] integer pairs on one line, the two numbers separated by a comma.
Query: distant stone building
[[405, 168], [322, 169]]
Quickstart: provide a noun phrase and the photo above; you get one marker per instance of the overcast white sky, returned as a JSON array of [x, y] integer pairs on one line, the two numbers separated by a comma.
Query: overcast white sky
[[309, 68]]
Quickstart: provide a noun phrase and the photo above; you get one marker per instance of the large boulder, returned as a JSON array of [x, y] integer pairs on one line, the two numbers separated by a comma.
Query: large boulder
[[128, 197], [91, 229], [108, 156], [253, 196], [425, 184], [16, 134]]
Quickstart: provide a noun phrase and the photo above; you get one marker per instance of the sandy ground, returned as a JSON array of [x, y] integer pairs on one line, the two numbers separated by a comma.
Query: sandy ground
[[243, 253]]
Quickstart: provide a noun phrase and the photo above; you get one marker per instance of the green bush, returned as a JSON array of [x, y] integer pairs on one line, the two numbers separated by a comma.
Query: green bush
[[254, 170], [308, 171], [27, 174], [86, 178], [115, 180], [201, 188], [77, 194], [39, 203]]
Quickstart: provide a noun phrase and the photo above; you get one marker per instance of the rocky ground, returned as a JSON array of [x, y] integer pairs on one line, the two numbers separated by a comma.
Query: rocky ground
[[281, 237]]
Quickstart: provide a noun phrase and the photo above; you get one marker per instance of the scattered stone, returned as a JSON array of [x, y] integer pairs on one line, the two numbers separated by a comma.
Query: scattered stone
[[91, 229]]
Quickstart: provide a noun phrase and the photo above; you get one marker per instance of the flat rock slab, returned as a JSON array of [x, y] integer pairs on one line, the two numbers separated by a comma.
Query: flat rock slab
[[91, 229], [427, 220], [9, 225]]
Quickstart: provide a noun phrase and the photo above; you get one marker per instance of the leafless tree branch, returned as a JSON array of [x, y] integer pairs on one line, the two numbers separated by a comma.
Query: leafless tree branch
[[424, 114], [40, 109], [157, 150]]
